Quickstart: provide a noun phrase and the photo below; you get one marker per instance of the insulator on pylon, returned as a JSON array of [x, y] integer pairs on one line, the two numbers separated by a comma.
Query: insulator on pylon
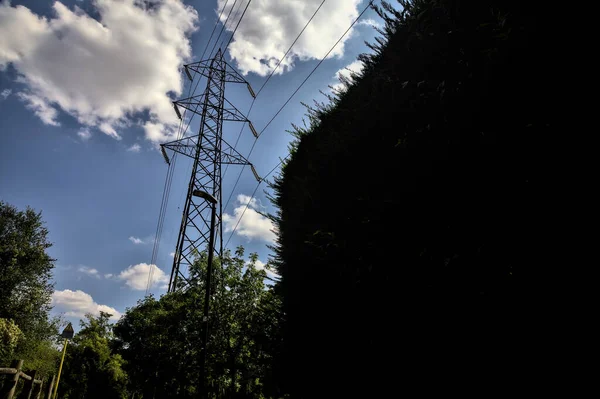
[[177, 110], [187, 72], [255, 174], [252, 129], [250, 90], [164, 153]]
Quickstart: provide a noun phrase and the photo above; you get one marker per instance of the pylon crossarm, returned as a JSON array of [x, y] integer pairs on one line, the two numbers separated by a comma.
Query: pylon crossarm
[[231, 156], [200, 67], [186, 146], [231, 113], [231, 160], [233, 76], [231, 116], [184, 150], [191, 104], [197, 98]]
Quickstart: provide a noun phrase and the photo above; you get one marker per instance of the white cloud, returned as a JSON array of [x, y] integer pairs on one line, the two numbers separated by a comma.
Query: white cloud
[[259, 265], [269, 27], [89, 271], [247, 200], [101, 71], [172, 254], [84, 134], [136, 276], [108, 275], [109, 130], [370, 22], [356, 67], [159, 132], [135, 148], [5, 93], [78, 303], [136, 240], [252, 224], [41, 107]]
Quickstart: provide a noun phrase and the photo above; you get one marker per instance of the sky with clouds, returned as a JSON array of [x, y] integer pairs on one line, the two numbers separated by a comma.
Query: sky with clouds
[[85, 97]]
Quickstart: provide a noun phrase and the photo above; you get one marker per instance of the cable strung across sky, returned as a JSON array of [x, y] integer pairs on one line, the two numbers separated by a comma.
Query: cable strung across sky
[[282, 107], [182, 131], [171, 168], [260, 90]]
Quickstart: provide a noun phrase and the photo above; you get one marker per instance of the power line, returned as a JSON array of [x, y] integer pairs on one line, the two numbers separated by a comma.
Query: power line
[[292, 45], [205, 180], [213, 31], [236, 27], [235, 15], [162, 213], [222, 28], [275, 69], [167, 191], [317, 66], [158, 229], [252, 197], [181, 132], [261, 88], [170, 173], [298, 88]]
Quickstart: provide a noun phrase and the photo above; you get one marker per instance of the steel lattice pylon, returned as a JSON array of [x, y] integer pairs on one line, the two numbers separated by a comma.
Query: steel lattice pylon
[[201, 223]]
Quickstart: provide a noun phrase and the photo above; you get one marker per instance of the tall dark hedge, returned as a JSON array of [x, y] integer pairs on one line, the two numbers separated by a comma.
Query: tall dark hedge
[[410, 206]]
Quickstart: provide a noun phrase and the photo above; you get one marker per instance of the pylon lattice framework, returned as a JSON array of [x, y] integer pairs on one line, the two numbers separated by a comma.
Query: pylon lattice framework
[[201, 223]]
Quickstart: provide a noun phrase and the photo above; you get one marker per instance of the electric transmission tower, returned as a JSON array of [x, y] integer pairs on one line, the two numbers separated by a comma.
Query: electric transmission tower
[[201, 223]]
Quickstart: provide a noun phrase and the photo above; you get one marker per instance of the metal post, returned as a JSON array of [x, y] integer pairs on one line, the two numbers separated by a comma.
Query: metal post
[[11, 385], [209, 268], [62, 359]]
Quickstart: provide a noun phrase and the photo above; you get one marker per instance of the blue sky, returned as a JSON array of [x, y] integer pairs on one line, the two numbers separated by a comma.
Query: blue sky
[[82, 109]]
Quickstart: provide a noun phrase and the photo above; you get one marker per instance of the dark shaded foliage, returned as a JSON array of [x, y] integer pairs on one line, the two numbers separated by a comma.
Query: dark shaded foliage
[[412, 201]]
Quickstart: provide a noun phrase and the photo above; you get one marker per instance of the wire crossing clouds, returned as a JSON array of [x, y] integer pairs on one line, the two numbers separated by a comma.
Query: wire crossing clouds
[[91, 69], [254, 225], [331, 50], [270, 25]]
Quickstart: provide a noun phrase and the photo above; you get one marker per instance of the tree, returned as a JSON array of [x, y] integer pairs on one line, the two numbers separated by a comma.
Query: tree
[[9, 337], [25, 288], [91, 368], [161, 339], [410, 199]]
